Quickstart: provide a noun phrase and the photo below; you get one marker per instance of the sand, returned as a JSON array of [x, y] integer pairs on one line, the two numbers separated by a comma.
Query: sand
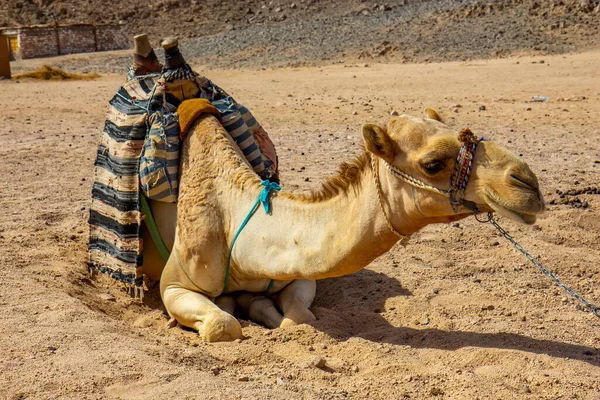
[[456, 314]]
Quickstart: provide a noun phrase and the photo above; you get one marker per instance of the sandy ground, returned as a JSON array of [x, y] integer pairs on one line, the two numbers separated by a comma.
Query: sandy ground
[[457, 314]]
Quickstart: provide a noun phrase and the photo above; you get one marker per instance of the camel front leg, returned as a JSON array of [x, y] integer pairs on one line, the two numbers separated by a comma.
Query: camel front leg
[[294, 300], [260, 309], [195, 310]]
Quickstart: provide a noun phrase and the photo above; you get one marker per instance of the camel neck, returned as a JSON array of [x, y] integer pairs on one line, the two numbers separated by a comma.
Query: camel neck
[[323, 238]]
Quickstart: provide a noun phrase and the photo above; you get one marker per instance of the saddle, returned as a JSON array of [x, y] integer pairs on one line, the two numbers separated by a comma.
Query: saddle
[[139, 156]]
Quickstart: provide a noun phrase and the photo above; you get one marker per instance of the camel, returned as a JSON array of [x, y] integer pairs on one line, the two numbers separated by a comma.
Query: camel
[[337, 230]]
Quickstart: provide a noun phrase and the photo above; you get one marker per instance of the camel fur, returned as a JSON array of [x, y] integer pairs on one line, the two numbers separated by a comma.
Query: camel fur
[[331, 232]]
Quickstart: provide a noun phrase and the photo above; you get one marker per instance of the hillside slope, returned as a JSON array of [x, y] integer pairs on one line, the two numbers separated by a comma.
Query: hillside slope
[[283, 33]]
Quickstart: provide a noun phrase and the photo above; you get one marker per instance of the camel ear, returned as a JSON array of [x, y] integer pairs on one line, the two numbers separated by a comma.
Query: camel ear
[[378, 142], [432, 114]]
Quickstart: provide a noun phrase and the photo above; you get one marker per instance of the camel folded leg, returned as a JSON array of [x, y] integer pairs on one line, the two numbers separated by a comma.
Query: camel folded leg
[[195, 310], [294, 300], [260, 309]]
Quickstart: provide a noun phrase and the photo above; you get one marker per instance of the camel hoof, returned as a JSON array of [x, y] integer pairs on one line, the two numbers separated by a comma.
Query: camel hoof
[[297, 318], [221, 327]]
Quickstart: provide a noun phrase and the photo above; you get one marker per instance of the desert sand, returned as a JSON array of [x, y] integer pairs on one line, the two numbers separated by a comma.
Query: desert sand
[[456, 314]]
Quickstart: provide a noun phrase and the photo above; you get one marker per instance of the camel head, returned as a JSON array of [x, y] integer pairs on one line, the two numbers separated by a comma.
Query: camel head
[[426, 149]]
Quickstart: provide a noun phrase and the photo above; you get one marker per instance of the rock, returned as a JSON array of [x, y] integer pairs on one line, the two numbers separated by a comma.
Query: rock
[[355, 113], [280, 381], [107, 297], [495, 243], [244, 378], [394, 113], [482, 108], [318, 362]]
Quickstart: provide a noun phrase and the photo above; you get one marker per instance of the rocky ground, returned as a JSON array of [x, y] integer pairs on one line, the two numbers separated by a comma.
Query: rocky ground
[[457, 314], [259, 34]]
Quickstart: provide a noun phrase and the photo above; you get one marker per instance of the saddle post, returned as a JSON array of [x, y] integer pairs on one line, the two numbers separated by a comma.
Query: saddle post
[[144, 57], [173, 57]]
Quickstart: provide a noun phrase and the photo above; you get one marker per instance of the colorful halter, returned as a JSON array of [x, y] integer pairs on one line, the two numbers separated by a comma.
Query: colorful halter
[[462, 171], [458, 180]]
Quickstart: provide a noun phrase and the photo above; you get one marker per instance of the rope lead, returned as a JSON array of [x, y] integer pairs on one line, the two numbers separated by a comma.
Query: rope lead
[[593, 308], [263, 198]]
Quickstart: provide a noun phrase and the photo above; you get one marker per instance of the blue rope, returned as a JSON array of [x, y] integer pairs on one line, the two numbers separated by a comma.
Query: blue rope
[[130, 101], [263, 198]]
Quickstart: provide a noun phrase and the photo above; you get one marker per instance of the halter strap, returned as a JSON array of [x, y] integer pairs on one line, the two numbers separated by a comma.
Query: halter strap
[[458, 180], [375, 166]]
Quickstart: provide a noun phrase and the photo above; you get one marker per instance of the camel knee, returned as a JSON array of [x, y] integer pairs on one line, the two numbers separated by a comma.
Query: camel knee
[[218, 326]]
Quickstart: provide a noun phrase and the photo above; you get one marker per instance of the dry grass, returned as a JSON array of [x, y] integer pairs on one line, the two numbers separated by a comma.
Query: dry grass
[[49, 73]]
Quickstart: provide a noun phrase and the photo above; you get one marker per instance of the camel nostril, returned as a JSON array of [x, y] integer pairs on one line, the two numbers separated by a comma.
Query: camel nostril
[[524, 181]]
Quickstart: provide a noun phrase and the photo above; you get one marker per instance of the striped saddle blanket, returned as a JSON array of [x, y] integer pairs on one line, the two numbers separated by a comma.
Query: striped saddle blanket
[[139, 155]]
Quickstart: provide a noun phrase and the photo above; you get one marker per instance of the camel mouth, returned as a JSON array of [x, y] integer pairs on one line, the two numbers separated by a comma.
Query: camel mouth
[[516, 213]]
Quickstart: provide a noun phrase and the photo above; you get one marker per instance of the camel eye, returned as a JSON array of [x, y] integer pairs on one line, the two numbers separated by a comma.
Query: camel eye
[[433, 167]]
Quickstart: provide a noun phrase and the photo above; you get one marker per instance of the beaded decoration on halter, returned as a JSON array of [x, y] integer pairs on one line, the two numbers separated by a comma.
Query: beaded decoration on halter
[[462, 170]]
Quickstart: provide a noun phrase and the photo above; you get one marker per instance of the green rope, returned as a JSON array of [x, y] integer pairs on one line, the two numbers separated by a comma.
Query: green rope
[[263, 198], [153, 229]]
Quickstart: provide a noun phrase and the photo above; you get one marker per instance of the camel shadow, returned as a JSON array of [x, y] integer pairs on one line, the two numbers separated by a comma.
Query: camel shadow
[[345, 309]]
